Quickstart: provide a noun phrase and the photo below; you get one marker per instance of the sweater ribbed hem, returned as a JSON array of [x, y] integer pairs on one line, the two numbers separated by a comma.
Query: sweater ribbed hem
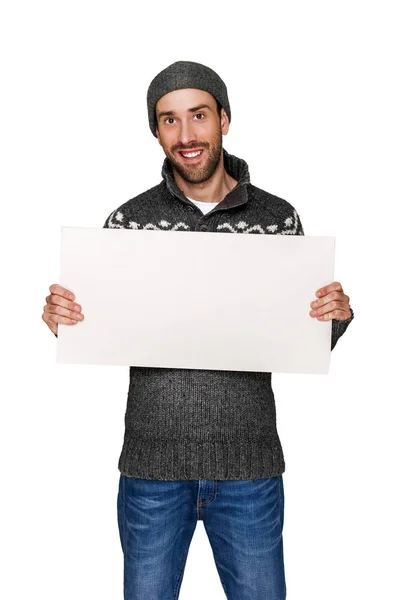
[[193, 459]]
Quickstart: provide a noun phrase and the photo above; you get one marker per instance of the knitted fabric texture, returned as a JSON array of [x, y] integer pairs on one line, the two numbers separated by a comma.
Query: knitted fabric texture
[[185, 74], [203, 424]]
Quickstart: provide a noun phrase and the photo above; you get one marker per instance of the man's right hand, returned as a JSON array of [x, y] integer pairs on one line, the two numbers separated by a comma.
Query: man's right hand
[[61, 308]]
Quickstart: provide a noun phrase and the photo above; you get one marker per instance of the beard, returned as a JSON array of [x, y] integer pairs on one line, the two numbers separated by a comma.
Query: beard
[[193, 173]]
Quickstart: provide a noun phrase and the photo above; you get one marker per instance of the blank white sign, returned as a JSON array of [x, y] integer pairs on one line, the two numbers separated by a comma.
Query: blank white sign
[[196, 300]]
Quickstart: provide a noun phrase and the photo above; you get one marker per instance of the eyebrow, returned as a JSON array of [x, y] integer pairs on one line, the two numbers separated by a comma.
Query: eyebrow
[[170, 113]]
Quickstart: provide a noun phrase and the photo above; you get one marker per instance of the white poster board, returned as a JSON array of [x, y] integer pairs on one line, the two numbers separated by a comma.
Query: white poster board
[[196, 300]]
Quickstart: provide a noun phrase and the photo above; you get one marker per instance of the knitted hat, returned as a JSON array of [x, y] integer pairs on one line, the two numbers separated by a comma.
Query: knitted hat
[[185, 74]]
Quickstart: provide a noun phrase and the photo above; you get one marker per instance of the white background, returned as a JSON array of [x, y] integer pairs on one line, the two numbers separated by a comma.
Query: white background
[[314, 99]]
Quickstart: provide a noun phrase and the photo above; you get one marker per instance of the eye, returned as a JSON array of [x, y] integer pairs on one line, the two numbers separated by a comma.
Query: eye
[[200, 115], [168, 119]]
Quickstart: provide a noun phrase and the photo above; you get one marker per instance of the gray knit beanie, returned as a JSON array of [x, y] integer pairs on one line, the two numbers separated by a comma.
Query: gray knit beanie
[[185, 74]]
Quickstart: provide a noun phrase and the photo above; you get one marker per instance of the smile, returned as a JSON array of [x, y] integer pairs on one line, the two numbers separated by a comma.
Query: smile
[[192, 154]]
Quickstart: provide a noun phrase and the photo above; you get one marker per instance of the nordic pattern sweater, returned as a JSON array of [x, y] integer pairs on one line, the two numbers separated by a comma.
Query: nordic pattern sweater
[[202, 424]]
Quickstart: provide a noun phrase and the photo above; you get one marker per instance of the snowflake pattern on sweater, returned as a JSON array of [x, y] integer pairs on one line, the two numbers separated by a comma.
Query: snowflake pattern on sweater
[[115, 221], [290, 227]]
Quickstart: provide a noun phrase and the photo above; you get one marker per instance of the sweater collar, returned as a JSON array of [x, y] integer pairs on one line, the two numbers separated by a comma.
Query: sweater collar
[[236, 167]]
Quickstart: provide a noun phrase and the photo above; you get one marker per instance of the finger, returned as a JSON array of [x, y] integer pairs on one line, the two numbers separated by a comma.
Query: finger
[[54, 309], [332, 310], [54, 319], [338, 296], [338, 315], [55, 288], [330, 306], [54, 299], [331, 287]]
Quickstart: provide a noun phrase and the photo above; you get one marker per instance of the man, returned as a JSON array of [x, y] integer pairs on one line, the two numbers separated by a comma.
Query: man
[[201, 444]]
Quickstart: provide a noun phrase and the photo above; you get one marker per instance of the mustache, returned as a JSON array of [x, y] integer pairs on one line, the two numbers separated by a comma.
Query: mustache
[[179, 147]]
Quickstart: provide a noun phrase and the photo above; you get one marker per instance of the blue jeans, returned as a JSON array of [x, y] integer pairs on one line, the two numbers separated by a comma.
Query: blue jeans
[[243, 520]]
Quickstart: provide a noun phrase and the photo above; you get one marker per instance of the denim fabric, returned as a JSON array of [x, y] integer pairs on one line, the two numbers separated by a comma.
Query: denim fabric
[[242, 518]]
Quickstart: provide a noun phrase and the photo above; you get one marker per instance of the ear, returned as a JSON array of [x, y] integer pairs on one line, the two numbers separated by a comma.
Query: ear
[[224, 122], [159, 139]]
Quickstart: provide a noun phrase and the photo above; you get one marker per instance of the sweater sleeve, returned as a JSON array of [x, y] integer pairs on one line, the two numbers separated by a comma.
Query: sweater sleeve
[[338, 327]]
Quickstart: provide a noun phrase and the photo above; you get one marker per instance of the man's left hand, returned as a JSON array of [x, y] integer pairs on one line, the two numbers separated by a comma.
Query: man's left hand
[[332, 303]]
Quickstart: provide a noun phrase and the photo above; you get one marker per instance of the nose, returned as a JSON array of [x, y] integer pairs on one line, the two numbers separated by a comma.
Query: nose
[[187, 133]]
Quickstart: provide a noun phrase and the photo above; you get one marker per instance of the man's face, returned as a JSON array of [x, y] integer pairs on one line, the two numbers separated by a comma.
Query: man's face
[[190, 129]]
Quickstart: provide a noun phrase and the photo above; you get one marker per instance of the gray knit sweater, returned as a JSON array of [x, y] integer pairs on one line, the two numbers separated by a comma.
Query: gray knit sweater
[[202, 424]]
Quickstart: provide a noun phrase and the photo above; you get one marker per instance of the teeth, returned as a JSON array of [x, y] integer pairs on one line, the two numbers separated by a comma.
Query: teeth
[[191, 154]]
